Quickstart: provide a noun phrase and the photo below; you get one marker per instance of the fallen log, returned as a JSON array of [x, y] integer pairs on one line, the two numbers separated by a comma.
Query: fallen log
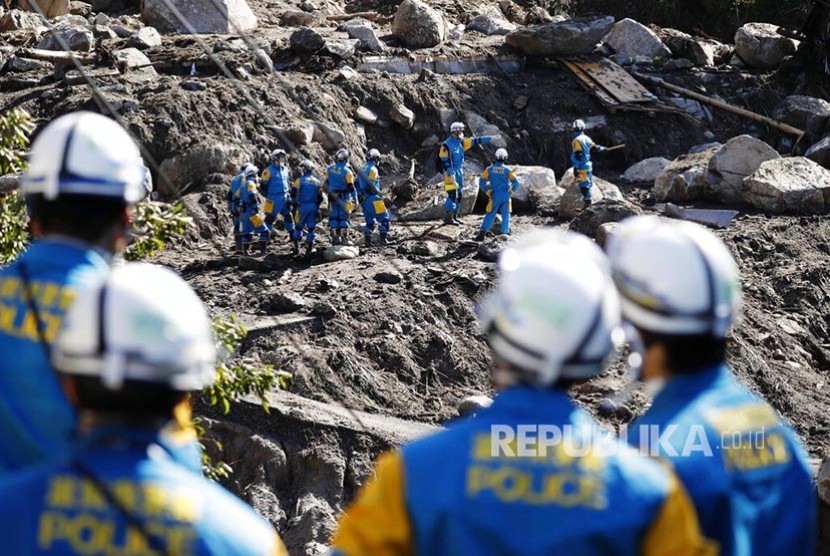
[[371, 16], [54, 56], [75, 77]]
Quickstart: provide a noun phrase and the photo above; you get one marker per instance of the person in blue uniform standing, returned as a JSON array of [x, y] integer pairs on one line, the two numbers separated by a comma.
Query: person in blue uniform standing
[[84, 174], [252, 220], [373, 205], [451, 154], [499, 183], [307, 195], [581, 146], [745, 469], [342, 197], [532, 473], [276, 186], [235, 205], [134, 345]]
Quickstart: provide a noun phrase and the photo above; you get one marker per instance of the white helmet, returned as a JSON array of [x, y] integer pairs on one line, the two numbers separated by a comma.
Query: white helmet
[[456, 126], [674, 278], [250, 170], [373, 154], [579, 125], [341, 154], [84, 153], [554, 313], [501, 154], [307, 165], [141, 323], [276, 153]]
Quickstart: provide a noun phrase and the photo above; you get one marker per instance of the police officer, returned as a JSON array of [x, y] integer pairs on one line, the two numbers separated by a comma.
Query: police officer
[[276, 185], [307, 195], [486, 486], [252, 221], [235, 204], [581, 146], [451, 154], [745, 470], [498, 182], [134, 345], [374, 208], [342, 197], [84, 173]]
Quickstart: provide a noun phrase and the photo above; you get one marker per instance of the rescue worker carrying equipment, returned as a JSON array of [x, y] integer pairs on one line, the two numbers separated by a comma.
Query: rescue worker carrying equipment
[[581, 146], [494, 484], [342, 197], [276, 186], [235, 204], [307, 195], [498, 182], [252, 220], [374, 207], [451, 154]]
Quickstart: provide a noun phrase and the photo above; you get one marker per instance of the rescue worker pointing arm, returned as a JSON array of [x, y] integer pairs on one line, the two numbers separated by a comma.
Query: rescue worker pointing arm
[[581, 146], [451, 154], [473, 488]]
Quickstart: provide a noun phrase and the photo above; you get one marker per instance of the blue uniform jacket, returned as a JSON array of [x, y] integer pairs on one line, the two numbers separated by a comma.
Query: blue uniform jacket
[[55, 509], [752, 488], [340, 177], [276, 182], [500, 180], [307, 192], [368, 181], [581, 146], [36, 420], [235, 193]]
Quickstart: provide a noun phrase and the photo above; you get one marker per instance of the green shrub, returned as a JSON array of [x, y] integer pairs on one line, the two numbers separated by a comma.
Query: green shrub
[[154, 224], [15, 127]]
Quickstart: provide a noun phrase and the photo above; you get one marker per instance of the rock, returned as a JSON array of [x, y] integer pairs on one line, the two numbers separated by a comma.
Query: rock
[[760, 45], [692, 107], [684, 179], [491, 249], [368, 39], [20, 65], [730, 164], [521, 103], [301, 133], [490, 25], [144, 38], [328, 136], [388, 277], [823, 482], [590, 219], [473, 404], [417, 25], [79, 39], [701, 52], [571, 202], [286, 302], [296, 18], [340, 253], [122, 31], [306, 40], [193, 85], [794, 185], [705, 146], [323, 309], [456, 33], [481, 126], [402, 116], [51, 8], [102, 19], [433, 209], [15, 20], [197, 162], [675, 64], [134, 60], [537, 188], [635, 39], [809, 114], [605, 231], [366, 116], [427, 249], [248, 263], [646, 170], [341, 48], [103, 33], [347, 73], [314, 519], [574, 37], [205, 16], [820, 152]]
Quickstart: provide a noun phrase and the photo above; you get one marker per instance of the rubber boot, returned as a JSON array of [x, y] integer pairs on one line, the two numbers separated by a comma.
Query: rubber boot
[[309, 247], [586, 203], [383, 238], [344, 237], [455, 220], [367, 238], [295, 249], [448, 217], [479, 236], [335, 237], [246, 249], [237, 244]]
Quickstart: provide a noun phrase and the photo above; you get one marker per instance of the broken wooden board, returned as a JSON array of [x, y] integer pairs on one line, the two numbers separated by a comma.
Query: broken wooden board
[[614, 87], [715, 218]]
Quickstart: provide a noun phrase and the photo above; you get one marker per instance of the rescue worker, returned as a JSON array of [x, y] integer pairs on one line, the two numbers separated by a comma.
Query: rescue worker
[[252, 221], [134, 345], [276, 185], [482, 487], [451, 154], [581, 146], [374, 208], [83, 176], [499, 183], [746, 471], [235, 205], [342, 197], [307, 194]]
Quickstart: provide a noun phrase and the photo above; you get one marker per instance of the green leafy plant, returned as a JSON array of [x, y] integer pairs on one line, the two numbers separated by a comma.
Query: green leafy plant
[[154, 224], [15, 127]]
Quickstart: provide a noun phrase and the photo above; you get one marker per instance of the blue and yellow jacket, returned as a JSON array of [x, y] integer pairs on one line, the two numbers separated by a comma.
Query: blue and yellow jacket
[[498, 181], [581, 146], [340, 177], [746, 472], [276, 182], [451, 154], [249, 197], [307, 191], [36, 420], [459, 492], [235, 193], [368, 182], [58, 508]]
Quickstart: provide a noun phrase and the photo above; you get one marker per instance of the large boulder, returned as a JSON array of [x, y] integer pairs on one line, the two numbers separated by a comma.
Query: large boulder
[[190, 168], [731, 163], [684, 179], [759, 45], [490, 25], [306, 40], [78, 39], [571, 202], [366, 35], [418, 25], [635, 39], [590, 220], [701, 52], [538, 189], [52, 8], [432, 208], [573, 37], [205, 16], [806, 113], [794, 185], [646, 170], [481, 126], [820, 152]]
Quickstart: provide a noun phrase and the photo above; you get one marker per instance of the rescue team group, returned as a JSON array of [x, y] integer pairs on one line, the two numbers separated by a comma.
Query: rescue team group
[[98, 453], [298, 203]]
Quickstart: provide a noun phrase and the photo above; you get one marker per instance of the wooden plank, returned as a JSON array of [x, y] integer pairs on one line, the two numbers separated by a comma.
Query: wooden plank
[[586, 80], [617, 82]]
